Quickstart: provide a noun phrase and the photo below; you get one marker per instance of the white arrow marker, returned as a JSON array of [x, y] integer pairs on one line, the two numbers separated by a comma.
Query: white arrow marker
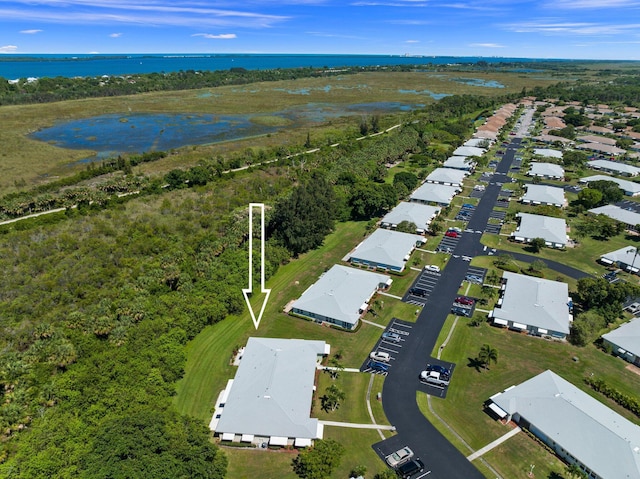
[[246, 292]]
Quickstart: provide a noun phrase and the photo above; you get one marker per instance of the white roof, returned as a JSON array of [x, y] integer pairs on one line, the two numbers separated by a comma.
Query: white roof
[[614, 166], [446, 176], [273, 388], [535, 302], [629, 187], [459, 163], [340, 292], [416, 213], [546, 169], [626, 255], [619, 214], [552, 230], [544, 194], [547, 152], [476, 142], [552, 138], [387, 247], [594, 434], [626, 337], [597, 139], [612, 150], [435, 193], [468, 151]]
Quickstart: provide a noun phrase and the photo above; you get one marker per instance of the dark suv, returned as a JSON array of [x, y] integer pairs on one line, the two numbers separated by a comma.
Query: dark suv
[[410, 468], [418, 292]]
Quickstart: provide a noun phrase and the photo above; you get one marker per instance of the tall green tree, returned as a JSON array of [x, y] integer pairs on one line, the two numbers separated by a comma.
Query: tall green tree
[[302, 220], [319, 461], [487, 355]]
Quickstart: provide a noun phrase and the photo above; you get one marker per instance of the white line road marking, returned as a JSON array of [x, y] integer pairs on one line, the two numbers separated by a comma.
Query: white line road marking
[[425, 474]]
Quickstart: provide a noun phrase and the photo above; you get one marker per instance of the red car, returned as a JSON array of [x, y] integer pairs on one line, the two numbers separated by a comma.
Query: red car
[[464, 300], [452, 234]]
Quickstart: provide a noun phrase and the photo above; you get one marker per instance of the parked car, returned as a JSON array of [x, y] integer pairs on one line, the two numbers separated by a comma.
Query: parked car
[[378, 366], [454, 228], [452, 234], [432, 267], [444, 372], [418, 292], [460, 311], [472, 278], [410, 468], [435, 378], [380, 356], [399, 457], [389, 336], [464, 300], [468, 205]]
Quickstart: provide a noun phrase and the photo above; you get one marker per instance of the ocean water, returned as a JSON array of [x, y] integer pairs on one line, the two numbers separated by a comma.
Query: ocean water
[[36, 66]]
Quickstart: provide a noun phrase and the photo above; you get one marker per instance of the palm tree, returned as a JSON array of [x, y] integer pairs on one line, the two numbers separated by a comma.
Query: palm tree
[[487, 355]]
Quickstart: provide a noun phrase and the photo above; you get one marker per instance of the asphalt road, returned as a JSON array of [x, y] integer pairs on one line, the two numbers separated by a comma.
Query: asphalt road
[[442, 460]]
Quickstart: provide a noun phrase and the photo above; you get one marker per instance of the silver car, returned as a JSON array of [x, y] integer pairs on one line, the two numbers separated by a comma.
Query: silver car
[[399, 457]]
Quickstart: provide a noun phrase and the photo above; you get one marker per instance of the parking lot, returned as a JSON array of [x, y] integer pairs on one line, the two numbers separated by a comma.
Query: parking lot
[[447, 244], [398, 328], [439, 390], [629, 205], [466, 212], [421, 288], [475, 275]]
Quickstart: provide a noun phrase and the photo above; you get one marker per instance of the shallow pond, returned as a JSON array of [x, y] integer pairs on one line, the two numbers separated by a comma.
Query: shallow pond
[[112, 134]]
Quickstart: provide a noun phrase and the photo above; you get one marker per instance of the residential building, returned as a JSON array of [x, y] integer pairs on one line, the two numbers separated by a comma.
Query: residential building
[[547, 153], [625, 258], [468, 151], [549, 171], [552, 230], [544, 195], [419, 214], [614, 167], [625, 341], [597, 139], [269, 400], [600, 148], [447, 177], [386, 250], [460, 163], [538, 306], [631, 219], [432, 193], [580, 429], [629, 188], [341, 296]]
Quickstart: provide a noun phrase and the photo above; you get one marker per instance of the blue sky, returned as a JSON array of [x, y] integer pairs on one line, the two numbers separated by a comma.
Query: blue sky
[[595, 29]]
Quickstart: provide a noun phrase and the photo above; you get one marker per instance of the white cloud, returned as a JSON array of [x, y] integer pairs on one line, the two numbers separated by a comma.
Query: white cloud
[[30, 32], [592, 4], [115, 35], [550, 27], [412, 41], [8, 49], [221, 36], [486, 45]]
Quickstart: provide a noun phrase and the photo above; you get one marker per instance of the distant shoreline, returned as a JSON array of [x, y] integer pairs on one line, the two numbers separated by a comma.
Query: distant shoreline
[[14, 67]]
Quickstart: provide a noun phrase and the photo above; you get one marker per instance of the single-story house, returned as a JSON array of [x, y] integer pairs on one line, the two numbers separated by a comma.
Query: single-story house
[[600, 148], [447, 176], [546, 170], [552, 230], [629, 188], [597, 139], [544, 195], [625, 341], [547, 153], [486, 135], [477, 143], [341, 296], [460, 163], [269, 400], [550, 139], [432, 193], [614, 167], [577, 427], [468, 151], [539, 306], [625, 258], [386, 249], [599, 129], [417, 213], [630, 218]]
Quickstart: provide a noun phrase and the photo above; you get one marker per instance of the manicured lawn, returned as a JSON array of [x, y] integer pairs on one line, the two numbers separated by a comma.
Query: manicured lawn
[[394, 308], [520, 358], [358, 444], [250, 463]]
